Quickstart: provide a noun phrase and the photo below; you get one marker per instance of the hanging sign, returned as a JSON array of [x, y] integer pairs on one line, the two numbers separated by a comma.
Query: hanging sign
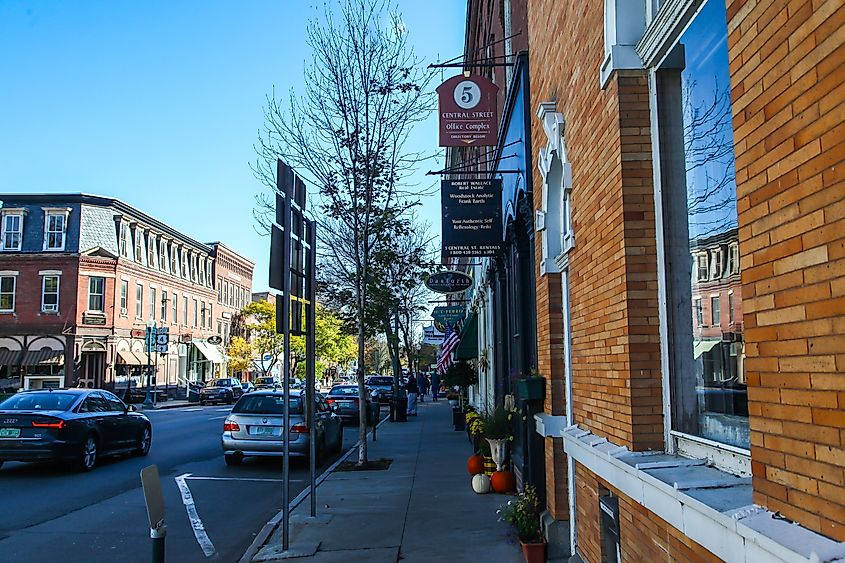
[[448, 315], [449, 281], [472, 217], [468, 111]]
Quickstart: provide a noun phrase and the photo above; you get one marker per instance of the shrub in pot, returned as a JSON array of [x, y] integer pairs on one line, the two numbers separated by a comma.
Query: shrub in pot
[[523, 513]]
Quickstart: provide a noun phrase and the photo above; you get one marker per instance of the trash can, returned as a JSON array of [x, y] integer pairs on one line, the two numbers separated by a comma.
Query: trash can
[[399, 409]]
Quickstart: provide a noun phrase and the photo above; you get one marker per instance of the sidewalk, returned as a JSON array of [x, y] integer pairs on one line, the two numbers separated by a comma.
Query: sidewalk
[[422, 509]]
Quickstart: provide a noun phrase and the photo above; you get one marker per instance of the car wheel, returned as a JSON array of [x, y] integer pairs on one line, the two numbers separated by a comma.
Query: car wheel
[[202, 403], [88, 457], [144, 442], [232, 459]]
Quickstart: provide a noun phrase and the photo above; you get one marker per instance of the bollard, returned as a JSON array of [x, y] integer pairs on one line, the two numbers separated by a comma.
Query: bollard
[[157, 535]]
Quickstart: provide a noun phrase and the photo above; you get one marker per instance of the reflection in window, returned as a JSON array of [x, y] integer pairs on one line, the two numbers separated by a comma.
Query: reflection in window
[[709, 396]]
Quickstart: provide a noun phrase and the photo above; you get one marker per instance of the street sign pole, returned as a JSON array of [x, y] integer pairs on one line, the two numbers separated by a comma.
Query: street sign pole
[[310, 355], [286, 225], [154, 499]]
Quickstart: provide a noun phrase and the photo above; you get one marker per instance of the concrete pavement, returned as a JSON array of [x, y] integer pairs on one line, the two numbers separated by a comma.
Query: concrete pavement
[[422, 509]]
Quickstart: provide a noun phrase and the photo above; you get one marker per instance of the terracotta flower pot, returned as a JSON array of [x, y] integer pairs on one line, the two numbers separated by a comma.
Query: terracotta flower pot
[[534, 552], [503, 481], [475, 464]]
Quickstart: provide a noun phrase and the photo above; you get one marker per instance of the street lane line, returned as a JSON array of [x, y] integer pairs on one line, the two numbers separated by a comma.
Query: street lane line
[[199, 530], [193, 478]]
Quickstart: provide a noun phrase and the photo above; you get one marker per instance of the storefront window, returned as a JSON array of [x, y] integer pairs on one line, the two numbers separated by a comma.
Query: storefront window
[[698, 185]]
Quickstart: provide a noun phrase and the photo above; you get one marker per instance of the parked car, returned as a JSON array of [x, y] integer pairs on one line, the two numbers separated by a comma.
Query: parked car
[[248, 386], [223, 390], [255, 425], [381, 387], [345, 400], [70, 425], [267, 382]]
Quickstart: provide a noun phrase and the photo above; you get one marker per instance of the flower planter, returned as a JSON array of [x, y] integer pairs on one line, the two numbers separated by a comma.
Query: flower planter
[[534, 552], [498, 450], [453, 402], [531, 388]]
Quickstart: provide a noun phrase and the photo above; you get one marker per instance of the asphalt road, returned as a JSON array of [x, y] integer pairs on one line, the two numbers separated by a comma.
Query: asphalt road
[[49, 513]]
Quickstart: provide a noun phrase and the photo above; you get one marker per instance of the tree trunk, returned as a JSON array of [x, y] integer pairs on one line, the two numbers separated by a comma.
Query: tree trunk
[[362, 392], [393, 340]]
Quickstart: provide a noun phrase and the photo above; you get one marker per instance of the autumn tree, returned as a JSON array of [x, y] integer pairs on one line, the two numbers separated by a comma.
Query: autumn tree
[[345, 132], [260, 328]]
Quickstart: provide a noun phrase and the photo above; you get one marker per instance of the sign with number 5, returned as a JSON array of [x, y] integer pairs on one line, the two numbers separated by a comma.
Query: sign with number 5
[[468, 111]]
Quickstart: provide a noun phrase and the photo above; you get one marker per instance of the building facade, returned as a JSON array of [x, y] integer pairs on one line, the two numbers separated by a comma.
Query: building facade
[[82, 277], [233, 280], [689, 277]]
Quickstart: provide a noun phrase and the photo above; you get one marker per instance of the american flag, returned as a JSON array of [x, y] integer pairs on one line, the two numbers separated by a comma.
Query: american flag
[[450, 342]]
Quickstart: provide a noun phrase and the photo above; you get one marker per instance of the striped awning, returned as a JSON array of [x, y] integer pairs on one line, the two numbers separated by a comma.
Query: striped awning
[[43, 357], [130, 358], [9, 357]]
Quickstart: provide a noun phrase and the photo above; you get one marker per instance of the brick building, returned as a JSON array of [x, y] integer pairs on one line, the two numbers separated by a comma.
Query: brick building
[[690, 277], [233, 275], [82, 276]]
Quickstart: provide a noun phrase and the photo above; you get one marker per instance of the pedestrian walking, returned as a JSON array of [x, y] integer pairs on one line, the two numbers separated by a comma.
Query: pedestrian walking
[[413, 390], [435, 385], [423, 385]]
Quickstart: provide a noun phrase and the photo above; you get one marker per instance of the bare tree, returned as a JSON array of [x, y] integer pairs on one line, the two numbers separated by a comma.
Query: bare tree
[[345, 133]]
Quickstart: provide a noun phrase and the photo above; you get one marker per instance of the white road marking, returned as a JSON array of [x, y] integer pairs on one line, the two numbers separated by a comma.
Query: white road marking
[[199, 530], [191, 409], [224, 410], [191, 477]]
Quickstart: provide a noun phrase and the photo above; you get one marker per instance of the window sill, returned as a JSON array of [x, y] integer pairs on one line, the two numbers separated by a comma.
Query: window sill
[[712, 507], [12, 312]]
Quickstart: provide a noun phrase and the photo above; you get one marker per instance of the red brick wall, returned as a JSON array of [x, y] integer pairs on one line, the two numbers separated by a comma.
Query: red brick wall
[[28, 317], [786, 60], [643, 535], [613, 288]]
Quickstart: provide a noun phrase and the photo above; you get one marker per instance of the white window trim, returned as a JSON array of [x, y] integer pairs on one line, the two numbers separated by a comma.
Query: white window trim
[[11, 212], [624, 25], [63, 212], [88, 296], [124, 311], [44, 293], [139, 303], [14, 275]]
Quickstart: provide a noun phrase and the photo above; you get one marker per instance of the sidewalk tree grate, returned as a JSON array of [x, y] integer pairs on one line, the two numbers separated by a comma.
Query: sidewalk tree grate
[[372, 465]]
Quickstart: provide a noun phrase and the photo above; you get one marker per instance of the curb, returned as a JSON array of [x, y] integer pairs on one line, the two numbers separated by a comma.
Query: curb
[[270, 527], [165, 406]]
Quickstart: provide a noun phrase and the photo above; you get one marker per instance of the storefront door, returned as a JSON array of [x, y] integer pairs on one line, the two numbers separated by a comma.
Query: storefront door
[[91, 369]]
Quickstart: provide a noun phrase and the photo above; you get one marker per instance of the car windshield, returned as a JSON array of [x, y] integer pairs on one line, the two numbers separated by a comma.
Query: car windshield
[[348, 390], [266, 404], [222, 383], [39, 402], [381, 381]]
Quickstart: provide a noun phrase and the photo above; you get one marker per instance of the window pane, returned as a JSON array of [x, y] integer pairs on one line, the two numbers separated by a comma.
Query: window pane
[[709, 395]]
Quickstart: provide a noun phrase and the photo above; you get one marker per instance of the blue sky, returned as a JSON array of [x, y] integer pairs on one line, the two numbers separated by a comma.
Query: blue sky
[[159, 103]]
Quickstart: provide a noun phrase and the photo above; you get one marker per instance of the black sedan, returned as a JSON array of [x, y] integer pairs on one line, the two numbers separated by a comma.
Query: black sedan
[[344, 400], [223, 390], [76, 425]]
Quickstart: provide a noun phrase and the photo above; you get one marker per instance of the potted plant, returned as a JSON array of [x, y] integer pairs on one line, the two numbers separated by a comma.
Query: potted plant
[[461, 375], [531, 387], [453, 398], [523, 513], [497, 432]]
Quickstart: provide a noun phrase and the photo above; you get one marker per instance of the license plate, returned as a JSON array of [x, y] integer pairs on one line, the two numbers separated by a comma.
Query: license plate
[[345, 403], [265, 430], [10, 432]]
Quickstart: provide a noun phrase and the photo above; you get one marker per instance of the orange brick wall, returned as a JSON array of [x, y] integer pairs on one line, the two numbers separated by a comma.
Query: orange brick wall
[[613, 288], [786, 59], [643, 536]]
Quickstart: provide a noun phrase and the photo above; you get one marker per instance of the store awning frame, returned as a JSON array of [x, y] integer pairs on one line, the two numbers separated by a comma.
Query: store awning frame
[[468, 347], [703, 346], [43, 358], [212, 353]]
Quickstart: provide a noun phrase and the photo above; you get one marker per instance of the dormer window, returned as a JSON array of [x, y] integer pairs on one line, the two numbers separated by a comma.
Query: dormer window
[[11, 236], [139, 246], [124, 240], [55, 228], [717, 264], [151, 250], [174, 260], [162, 256], [184, 264]]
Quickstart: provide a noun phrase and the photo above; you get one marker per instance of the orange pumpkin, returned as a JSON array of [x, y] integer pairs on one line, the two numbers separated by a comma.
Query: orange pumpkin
[[503, 481], [475, 464]]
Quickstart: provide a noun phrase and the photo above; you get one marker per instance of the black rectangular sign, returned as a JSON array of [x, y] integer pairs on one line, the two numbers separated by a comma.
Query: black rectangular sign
[[472, 217]]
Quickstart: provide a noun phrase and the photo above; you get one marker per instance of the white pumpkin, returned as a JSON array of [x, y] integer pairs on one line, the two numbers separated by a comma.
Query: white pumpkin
[[481, 484]]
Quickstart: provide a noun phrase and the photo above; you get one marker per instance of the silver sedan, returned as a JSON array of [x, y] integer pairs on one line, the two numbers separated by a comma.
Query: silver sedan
[[254, 427]]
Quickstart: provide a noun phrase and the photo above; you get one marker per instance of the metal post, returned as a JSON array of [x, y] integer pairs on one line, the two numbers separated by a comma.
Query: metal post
[[155, 371], [286, 225], [310, 355], [149, 333], [158, 535]]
